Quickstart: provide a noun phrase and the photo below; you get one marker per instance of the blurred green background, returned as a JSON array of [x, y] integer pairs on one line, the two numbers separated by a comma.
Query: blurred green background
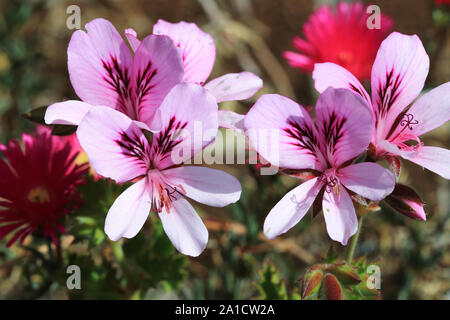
[[249, 35]]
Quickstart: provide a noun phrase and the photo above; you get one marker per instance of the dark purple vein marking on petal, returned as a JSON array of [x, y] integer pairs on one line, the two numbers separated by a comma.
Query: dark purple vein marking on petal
[[357, 90], [144, 82], [388, 93], [133, 147], [304, 136], [333, 130], [119, 79], [169, 138]]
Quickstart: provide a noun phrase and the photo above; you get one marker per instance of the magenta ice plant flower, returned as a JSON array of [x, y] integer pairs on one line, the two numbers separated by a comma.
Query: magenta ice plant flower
[[105, 72], [398, 77], [199, 52], [324, 40], [327, 150], [118, 149]]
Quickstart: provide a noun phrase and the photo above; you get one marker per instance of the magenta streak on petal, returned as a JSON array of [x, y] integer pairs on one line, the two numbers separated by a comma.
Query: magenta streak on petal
[[119, 80], [143, 82], [386, 97], [304, 136], [134, 148], [357, 90], [333, 132], [169, 138]]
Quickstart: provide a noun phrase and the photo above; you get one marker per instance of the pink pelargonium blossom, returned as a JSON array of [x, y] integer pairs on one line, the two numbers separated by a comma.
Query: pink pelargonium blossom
[[398, 76], [118, 149], [326, 152], [199, 53], [340, 35], [104, 72]]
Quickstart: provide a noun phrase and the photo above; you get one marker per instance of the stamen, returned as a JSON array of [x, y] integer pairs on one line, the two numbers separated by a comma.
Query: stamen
[[409, 121], [38, 195], [331, 181], [163, 194], [402, 136]]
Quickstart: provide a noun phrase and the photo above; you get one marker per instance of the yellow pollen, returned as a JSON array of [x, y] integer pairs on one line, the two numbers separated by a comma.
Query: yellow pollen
[[345, 57], [39, 194]]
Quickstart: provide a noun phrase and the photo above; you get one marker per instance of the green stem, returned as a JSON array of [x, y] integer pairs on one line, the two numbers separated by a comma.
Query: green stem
[[354, 241]]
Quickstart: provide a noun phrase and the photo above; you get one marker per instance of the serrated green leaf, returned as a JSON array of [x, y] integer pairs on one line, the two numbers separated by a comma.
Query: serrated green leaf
[[270, 286]]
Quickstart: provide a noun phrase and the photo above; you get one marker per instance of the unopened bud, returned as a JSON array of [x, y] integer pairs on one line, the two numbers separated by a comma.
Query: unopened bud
[[406, 201]]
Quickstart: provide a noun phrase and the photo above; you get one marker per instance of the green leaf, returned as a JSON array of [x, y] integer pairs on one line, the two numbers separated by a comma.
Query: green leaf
[[270, 286]]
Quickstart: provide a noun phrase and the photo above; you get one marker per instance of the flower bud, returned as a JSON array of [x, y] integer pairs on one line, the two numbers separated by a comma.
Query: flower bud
[[311, 283], [332, 289], [406, 201]]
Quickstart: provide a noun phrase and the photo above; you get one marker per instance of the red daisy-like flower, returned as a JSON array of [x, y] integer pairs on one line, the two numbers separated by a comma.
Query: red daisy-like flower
[[37, 185], [340, 36]]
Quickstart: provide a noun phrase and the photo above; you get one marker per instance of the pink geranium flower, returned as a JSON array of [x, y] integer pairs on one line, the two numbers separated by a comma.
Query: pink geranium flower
[[326, 151], [104, 72], [199, 53], [398, 76], [340, 36], [38, 180], [118, 149]]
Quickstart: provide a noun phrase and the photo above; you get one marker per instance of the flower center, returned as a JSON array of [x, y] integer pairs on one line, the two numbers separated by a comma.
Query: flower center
[[331, 181], [163, 194], [404, 138], [345, 58], [39, 195]]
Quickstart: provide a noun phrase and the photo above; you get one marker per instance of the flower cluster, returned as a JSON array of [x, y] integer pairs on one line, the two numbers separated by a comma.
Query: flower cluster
[[139, 108], [348, 124], [146, 110]]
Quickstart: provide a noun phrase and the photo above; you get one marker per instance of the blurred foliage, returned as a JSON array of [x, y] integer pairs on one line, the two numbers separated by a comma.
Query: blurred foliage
[[21, 58], [271, 287], [249, 35], [122, 269]]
